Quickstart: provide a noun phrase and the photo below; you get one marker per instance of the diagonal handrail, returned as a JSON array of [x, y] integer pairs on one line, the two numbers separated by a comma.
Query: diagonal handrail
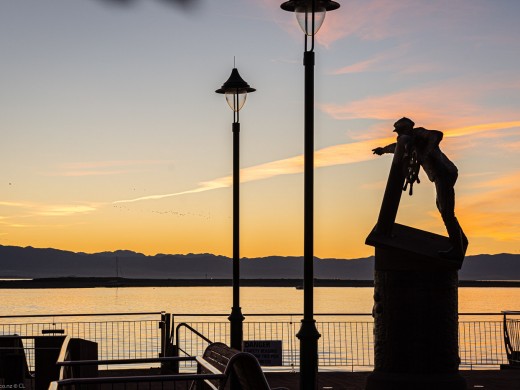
[[193, 330]]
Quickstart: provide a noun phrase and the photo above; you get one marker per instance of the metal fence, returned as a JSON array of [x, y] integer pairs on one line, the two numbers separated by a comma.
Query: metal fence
[[346, 340], [119, 335]]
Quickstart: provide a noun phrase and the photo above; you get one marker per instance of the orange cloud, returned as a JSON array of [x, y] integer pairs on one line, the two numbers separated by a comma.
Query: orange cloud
[[493, 212], [424, 102], [333, 155], [39, 209], [481, 128]]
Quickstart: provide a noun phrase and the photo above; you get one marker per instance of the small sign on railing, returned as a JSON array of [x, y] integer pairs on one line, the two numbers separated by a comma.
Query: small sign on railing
[[268, 352]]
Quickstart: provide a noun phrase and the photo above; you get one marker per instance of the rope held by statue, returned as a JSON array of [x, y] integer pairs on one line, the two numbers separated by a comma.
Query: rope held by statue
[[412, 167]]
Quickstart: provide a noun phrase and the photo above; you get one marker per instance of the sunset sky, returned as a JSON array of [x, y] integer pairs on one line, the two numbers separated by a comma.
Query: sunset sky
[[113, 136]]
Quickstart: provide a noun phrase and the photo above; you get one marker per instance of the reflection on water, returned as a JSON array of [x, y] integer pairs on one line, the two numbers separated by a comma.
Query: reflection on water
[[345, 340], [218, 300]]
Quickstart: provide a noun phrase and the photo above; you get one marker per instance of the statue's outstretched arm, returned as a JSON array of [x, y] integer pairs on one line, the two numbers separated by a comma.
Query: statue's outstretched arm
[[390, 148], [387, 149]]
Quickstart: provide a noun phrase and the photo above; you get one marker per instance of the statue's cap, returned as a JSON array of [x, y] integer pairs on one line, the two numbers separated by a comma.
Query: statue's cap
[[403, 122]]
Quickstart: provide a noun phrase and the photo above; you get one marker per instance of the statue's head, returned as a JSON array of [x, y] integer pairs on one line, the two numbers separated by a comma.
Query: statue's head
[[404, 126]]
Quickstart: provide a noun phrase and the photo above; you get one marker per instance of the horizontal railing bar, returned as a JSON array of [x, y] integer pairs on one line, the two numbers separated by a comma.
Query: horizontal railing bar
[[301, 314], [221, 314], [142, 378], [267, 314], [18, 337], [123, 361], [84, 314]]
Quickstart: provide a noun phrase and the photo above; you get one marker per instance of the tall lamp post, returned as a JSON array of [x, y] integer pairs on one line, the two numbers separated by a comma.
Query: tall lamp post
[[310, 15], [235, 89]]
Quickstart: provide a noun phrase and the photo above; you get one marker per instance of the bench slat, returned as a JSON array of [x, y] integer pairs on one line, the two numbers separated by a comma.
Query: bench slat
[[207, 366]]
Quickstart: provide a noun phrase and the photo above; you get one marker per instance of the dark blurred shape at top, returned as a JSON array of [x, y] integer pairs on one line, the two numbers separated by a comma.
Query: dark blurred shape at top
[[182, 3]]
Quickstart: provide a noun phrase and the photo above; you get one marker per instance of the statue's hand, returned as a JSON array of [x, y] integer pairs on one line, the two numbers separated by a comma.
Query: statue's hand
[[379, 151]]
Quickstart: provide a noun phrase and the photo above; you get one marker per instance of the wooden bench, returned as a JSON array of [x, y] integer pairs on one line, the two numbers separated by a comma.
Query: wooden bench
[[512, 338], [13, 361], [215, 369], [219, 358]]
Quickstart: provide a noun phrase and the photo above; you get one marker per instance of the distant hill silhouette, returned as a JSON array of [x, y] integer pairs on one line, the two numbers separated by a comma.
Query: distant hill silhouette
[[29, 262]]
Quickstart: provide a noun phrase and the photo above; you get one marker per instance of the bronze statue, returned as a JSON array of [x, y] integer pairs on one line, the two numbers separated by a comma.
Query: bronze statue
[[423, 151]]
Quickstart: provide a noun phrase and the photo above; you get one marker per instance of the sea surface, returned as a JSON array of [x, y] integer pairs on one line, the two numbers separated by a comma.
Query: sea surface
[[346, 340], [263, 300]]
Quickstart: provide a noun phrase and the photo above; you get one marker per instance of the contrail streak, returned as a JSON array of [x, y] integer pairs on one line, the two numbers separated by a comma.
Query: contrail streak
[[333, 155]]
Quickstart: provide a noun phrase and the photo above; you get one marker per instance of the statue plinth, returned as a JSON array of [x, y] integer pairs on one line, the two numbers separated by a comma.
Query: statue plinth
[[415, 312]]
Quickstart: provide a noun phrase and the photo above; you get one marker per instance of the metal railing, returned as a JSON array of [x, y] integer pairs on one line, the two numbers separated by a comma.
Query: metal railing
[[119, 335], [346, 340], [511, 329]]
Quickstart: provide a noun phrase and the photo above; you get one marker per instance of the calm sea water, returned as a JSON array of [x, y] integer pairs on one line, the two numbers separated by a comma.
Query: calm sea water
[[346, 340], [218, 300]]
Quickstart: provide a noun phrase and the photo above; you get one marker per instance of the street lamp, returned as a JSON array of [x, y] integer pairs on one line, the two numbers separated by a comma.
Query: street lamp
[[235, 89], [310, 15]]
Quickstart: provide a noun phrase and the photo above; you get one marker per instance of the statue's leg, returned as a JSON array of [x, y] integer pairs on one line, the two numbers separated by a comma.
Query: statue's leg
[[452, 206], [446, 206]]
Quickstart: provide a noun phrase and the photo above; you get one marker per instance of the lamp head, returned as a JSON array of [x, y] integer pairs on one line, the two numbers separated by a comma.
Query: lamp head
[[304, 10], [235, 89]]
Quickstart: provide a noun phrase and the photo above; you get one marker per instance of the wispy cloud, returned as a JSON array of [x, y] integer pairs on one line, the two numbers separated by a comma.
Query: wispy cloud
[[40, 209], [352, 19], [389, 61], [424, 102], [359, 67], [333, 155], [493, 212], [488, 128], [204, 186], [368, 19], [375, 19]]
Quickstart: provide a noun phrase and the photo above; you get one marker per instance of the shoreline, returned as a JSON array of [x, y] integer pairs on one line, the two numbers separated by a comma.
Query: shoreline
[[93, 282]]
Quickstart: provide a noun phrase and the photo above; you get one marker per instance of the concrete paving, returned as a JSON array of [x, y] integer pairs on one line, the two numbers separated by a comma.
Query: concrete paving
[[340, 380]]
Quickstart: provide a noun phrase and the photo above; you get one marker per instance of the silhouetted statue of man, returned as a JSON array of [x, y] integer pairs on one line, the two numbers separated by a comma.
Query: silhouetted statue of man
[[424, 146]]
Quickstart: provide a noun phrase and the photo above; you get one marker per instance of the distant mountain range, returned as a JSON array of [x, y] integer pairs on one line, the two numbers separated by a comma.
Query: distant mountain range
[[29, 262]]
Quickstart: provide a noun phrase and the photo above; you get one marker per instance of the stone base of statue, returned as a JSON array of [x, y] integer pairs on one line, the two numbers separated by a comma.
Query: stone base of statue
[[415, 312]]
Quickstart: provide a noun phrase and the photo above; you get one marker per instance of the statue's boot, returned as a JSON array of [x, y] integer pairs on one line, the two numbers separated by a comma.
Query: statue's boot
[[458, 240]]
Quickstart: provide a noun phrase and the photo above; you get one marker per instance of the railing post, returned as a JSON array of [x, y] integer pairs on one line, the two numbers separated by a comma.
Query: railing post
[[167, 347], [174, 366], [167, 332], [162, 327]]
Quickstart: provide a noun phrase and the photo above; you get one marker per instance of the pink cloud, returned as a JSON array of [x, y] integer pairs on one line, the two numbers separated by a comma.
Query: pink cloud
[[368, 19], [427, 103], [446, 104], [358, 67], [390, 61]]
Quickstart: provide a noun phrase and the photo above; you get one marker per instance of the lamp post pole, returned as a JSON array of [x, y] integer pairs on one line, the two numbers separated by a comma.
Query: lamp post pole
[[310, 15], [236, 89], [236, 317], [308, 333]]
